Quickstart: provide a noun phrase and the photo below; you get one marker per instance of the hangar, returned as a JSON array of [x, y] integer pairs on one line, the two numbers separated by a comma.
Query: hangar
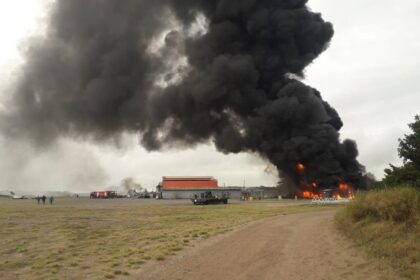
[[191, 182], [184, 187]]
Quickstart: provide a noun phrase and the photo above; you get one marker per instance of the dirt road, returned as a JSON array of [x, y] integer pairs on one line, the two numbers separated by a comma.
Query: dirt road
[[300, 246]]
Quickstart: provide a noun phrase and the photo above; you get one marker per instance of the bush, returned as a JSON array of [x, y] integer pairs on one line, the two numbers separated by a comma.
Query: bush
[[386, 224], [399, 205]]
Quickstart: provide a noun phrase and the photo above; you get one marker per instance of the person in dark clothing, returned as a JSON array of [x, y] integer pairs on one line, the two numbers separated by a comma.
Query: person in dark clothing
[[38, 199], [43, 199], [51, 200]]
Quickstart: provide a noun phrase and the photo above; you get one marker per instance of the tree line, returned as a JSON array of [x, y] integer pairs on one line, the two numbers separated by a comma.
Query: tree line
[[409, 151]]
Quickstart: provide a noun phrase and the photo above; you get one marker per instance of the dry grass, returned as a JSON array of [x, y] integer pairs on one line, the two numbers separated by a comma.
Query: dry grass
[[105, 241], [387, 224]]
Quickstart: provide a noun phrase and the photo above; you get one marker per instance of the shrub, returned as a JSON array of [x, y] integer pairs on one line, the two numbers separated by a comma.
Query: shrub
[[399, 205], [386, 224]]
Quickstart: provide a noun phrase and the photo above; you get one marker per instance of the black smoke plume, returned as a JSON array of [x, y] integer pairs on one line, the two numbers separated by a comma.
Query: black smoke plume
[[183, 72]]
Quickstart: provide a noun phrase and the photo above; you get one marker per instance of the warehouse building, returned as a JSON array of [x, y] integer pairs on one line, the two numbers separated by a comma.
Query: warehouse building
[[191, 182], [187, 186]]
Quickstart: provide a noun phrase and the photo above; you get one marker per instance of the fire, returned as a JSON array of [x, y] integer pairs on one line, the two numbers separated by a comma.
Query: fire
[[308, 194], [300, 167], [344, 187], [311, 189], [345, 191]]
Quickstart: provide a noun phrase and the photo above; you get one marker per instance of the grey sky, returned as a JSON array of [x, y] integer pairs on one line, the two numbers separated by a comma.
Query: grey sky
[[369, 74]]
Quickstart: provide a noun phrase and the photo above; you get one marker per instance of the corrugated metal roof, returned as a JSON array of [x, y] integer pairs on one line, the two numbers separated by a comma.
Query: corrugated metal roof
[[221, 189], [188, 178]]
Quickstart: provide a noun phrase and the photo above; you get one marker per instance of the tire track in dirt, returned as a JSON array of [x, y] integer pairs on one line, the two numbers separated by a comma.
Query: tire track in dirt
[[298, 246]]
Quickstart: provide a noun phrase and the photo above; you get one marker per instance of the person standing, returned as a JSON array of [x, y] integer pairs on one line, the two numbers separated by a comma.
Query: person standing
[[43, 199], [51, 200], [38, 199]]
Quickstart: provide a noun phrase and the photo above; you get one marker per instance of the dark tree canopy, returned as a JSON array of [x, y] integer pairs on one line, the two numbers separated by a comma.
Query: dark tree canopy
[[409, 151], [409, 148], [406, 174]]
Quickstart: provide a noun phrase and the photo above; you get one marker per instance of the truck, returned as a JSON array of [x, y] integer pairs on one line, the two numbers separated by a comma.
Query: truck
[[103, 195], [206, 198]]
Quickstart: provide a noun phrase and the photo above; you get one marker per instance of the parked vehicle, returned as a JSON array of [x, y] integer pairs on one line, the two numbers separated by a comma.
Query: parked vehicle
[[206, 198], [103, 195]]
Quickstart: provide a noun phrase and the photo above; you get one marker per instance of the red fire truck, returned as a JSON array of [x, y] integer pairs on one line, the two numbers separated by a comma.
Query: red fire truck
[[103, 195]]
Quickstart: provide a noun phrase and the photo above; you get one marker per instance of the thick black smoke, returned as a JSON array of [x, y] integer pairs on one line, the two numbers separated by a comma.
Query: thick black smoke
[[181, 72]]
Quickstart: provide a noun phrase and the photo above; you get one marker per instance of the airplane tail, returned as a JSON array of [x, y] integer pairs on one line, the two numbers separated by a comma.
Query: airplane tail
[[12, 193]]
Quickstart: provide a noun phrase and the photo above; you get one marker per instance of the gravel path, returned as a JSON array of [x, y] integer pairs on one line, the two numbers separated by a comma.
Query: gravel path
[[299, 246]]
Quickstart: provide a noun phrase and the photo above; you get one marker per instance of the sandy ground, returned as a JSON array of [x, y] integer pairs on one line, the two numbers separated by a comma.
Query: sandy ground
[[299, 246]]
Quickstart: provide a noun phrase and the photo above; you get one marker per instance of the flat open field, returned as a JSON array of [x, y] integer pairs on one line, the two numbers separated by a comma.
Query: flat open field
[[105, 239]]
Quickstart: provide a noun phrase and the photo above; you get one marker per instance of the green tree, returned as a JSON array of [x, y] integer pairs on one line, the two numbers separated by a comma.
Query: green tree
[[409, 148], [406, 174], [409, 151]]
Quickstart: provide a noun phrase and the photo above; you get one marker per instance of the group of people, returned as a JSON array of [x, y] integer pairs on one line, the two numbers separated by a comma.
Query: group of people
[[44, 198]]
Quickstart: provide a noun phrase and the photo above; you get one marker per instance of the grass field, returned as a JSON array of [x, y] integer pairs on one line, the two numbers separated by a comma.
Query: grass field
[[386, 223], [83, 239]]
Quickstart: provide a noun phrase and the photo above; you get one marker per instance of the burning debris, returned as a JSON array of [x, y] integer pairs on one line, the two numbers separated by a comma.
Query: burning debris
[[309, 189], [135, 190], [181, 73]]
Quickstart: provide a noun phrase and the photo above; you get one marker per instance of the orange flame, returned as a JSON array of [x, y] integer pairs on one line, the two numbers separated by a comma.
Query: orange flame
[[308, 194], [300, 167], [344, 187]]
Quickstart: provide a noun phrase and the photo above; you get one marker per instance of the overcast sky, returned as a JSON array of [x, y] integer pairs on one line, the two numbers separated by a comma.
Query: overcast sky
[[369, 74]]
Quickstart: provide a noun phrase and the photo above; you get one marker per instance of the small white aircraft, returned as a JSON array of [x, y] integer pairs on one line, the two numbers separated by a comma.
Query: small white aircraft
[[15, 196]]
